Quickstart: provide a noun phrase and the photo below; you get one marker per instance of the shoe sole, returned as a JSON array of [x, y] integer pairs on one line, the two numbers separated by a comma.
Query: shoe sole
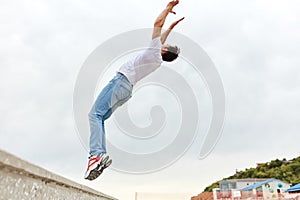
[[95, 173]]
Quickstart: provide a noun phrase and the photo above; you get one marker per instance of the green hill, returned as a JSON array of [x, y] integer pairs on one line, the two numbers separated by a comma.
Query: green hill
[[288, 171]]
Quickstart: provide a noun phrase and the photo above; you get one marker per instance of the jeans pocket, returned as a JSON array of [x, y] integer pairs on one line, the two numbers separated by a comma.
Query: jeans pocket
[[123, 92]]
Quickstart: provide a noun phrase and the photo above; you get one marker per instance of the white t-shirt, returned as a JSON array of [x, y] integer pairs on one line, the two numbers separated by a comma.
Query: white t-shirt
[[144, 63]]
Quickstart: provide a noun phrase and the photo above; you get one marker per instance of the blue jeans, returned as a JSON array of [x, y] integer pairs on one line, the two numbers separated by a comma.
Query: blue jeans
[[113, 95]]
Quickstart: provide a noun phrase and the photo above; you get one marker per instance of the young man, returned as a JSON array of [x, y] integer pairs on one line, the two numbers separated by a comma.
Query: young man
[[119, 89]]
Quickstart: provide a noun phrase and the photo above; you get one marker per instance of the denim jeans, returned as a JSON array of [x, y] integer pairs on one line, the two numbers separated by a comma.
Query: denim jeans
[[113, 95]]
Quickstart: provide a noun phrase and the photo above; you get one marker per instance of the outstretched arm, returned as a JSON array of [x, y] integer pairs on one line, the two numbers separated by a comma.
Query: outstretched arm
[[165, 35], [160, 20]]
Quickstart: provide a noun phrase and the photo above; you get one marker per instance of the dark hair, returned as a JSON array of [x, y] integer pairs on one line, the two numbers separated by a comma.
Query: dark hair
[[171, 54]]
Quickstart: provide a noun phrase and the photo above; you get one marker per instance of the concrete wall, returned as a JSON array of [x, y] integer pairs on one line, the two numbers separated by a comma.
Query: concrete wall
[[22, 180]]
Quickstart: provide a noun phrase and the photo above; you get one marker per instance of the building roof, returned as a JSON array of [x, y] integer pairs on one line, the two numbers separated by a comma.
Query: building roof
[[295, 188], [256, 185]]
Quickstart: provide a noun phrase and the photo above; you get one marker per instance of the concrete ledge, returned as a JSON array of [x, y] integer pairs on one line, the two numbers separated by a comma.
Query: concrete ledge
[[21, 180]]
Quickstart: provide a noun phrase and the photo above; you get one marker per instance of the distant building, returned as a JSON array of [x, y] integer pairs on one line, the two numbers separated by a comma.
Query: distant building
[[231, 188], [237, 184], [293, 192], [268, 189], [260, 164], [294, 189], [250, 189]]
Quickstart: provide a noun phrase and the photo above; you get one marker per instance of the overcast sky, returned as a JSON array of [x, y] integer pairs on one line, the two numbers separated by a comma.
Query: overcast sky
[[254, 45]]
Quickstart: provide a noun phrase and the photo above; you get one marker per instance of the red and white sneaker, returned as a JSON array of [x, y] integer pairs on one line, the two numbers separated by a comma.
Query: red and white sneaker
[[95, 166]]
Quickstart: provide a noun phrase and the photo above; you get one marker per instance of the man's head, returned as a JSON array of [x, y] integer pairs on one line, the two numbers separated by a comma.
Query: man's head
[[169, 53]]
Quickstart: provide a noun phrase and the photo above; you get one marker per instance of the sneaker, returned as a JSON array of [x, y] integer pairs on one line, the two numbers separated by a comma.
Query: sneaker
[[95, 162]]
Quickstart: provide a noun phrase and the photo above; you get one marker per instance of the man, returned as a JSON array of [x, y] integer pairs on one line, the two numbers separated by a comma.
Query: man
[[119, 89]]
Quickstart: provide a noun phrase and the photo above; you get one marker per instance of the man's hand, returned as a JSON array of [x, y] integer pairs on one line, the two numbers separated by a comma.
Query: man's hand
[[171, 5], [175, 23], [160, 20]]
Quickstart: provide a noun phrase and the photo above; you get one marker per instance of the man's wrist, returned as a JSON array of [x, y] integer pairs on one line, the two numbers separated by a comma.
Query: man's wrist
[[169, 8]]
